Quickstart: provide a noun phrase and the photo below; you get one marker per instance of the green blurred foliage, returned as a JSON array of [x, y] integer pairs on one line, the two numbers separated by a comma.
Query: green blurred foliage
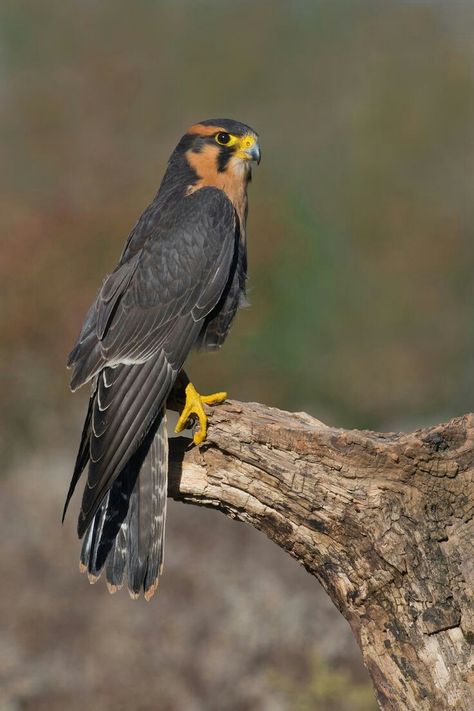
[[361, 213]]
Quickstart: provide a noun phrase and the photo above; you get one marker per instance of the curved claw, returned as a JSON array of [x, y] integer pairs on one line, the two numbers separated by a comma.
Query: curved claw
[[194, 407]]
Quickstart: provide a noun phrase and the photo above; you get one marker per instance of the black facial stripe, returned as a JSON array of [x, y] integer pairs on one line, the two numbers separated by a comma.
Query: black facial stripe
[[223, 158]]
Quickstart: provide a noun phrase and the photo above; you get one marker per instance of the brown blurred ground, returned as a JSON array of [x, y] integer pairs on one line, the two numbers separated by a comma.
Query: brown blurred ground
[[234, 626], [361, 262]]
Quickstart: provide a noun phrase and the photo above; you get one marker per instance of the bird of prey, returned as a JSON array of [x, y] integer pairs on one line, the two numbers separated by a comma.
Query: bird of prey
[[178, 284]]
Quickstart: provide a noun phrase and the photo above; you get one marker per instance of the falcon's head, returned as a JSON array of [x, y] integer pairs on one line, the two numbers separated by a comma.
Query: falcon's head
[[215, 153], [228, 140]]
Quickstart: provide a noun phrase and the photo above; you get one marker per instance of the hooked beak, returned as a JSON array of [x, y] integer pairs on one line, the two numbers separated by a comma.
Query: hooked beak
[[255, 153]]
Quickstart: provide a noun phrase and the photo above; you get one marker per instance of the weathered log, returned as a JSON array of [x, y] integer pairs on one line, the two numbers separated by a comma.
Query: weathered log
[[383, 521]]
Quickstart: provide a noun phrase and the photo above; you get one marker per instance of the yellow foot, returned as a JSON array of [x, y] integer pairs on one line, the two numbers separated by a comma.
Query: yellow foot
[[194, 406]]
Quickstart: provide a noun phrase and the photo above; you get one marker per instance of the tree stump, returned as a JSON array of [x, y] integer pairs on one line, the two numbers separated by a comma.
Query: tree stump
[[383, 521]]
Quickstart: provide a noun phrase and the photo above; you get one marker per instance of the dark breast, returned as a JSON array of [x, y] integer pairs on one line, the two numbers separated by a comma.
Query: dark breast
[[217, 324]]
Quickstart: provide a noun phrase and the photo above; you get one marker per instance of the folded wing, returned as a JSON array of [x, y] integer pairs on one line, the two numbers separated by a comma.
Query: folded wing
[[136, 336]]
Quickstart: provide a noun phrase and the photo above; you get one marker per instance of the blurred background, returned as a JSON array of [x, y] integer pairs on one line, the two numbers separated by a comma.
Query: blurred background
[[361, 257]]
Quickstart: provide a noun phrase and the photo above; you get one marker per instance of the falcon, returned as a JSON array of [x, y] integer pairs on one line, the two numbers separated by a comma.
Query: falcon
[[179, 283]]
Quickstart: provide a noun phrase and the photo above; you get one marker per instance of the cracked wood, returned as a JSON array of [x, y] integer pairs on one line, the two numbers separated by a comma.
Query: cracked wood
[[383, 521]]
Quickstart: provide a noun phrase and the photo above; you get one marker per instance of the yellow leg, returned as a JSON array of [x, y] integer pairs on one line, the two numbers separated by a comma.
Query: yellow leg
[[194, 406]]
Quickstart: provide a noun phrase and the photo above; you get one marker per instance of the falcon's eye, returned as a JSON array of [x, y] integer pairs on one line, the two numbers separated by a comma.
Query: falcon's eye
[[223, 138]]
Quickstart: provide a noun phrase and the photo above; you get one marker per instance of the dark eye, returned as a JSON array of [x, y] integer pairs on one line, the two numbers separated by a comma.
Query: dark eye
[[223, 138]]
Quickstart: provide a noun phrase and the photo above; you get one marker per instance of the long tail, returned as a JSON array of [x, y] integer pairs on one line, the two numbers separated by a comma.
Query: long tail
[[127, 534]]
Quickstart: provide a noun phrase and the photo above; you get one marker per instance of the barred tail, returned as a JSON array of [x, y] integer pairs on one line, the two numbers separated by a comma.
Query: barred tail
[[127, 534]]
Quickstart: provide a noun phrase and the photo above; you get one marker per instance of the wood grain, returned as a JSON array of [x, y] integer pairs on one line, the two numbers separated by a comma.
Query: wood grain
[[383, 520]]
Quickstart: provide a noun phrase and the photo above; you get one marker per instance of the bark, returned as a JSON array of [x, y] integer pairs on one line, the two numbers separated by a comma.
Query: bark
[[383, 521]]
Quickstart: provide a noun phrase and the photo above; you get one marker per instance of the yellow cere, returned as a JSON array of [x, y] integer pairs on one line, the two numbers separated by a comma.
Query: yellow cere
[[245, 144], [247, 141]]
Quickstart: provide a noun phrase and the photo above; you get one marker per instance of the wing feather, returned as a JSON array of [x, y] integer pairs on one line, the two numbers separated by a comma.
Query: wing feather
[[134, 407], [179, 272], [111, 291]]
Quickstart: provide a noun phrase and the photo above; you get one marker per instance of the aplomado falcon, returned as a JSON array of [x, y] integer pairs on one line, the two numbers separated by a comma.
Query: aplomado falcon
[[178, 284]]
